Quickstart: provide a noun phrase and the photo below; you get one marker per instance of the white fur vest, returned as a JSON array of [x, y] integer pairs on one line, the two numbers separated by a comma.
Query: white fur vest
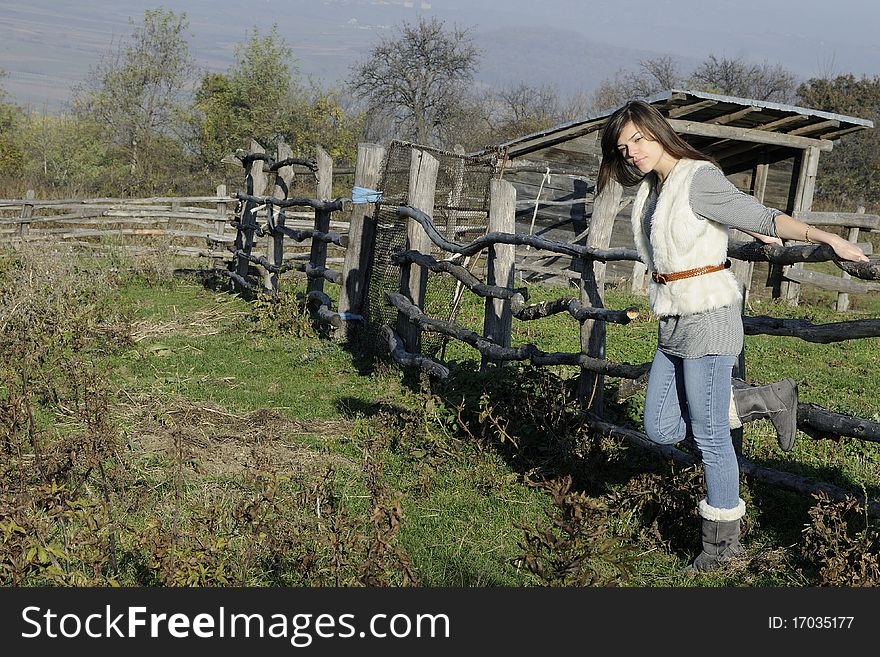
[[679, 241]]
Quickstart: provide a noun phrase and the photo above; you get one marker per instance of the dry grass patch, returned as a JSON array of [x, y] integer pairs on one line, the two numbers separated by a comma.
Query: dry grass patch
[[217, 443]]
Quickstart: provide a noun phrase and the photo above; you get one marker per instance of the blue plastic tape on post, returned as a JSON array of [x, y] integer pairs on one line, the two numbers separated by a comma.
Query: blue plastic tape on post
[[365, 195]]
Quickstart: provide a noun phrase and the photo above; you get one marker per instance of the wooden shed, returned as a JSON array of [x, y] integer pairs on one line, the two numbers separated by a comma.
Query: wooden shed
[[770, 150]]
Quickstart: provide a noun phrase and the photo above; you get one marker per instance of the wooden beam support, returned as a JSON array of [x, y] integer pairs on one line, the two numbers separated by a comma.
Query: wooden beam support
[[733, 116], [784, 121], [546, 139], [413, 278], [748, 134], [803, 201], [500, 269], [605, 209], [813, 127], [848, 219], [843, 131], [361, 238], [684, 110]]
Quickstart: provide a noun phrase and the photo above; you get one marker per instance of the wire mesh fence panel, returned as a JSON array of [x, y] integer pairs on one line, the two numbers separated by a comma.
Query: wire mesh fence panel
[[461, 212]]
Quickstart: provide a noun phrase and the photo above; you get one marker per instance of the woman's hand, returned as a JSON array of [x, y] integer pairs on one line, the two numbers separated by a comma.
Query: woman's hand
[[846, 250], [766, 239]]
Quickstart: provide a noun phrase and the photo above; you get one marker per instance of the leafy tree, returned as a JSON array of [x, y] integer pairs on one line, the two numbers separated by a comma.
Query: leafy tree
[[68, 156], [10, 153], [417, 78], [850, 173], [323, 119], [215, 126], [261, 97], [736, 77], [135, 93]]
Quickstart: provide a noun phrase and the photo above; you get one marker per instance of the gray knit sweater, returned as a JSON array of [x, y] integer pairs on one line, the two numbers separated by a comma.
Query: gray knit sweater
[[720, 331]]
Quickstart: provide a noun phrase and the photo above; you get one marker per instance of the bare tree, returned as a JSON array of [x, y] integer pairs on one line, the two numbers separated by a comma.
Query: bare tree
[[523, 108], [738, 78], [417, 78], [652, 75], [491, 117]]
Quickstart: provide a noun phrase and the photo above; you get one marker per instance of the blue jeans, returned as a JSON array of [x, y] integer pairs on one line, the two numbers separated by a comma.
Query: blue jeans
[[692, 396]]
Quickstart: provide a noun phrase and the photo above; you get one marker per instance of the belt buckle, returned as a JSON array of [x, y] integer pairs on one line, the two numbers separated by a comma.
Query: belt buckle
[[658, 278]]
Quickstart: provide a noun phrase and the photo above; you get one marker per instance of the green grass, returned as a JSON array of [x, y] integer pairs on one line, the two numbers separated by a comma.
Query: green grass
[[227, 428]]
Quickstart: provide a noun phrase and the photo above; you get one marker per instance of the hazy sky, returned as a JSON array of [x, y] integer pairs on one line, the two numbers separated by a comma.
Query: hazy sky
[[48, 45], [804, 35]]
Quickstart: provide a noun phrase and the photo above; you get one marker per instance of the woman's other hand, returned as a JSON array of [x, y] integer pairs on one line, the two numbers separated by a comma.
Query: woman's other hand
[[766, 239], [846, 250]]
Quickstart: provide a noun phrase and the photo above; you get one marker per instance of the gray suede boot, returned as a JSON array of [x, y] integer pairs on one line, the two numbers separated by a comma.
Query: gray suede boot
[[720, 537], [776, 402]]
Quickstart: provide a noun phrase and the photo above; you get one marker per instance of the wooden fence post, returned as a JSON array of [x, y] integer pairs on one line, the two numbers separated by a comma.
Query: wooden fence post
[[361, 236], [172, 224], [256, 180], [803, 202], [743, 270], [27, 212], [739, 372], [605, 209], [637, 284], [318, 254], [283, 178], [498, 316], [220, 223], [843, 297], [414, 278]]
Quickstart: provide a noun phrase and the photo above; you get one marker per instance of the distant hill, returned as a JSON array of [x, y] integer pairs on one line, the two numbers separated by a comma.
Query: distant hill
[[47, 46], [47, 50]]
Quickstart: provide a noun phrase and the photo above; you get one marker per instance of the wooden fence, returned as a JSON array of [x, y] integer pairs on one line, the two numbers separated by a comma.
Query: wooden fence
[[255, 257], [504, 302], [248, 265], [188, 226]]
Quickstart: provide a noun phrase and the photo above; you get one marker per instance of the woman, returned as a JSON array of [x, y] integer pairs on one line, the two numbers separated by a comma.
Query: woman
[[682, 211]]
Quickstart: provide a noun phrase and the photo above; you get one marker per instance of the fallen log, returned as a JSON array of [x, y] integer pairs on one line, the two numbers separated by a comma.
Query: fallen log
[[787, 480]]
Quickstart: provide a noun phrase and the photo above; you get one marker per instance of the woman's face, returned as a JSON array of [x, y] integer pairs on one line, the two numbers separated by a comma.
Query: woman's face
[[639, 148]]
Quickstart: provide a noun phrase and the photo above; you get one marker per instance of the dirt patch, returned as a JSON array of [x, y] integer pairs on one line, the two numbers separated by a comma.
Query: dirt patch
[[215, 443]]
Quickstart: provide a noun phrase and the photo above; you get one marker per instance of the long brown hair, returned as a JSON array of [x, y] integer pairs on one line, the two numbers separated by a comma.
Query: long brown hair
[[654, 126]]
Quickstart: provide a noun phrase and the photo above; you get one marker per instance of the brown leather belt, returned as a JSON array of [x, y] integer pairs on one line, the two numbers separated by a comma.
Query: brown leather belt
[[688, 273]]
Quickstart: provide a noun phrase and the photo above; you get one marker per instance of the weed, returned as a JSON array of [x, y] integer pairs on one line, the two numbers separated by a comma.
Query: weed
[[281, 314], [842, 543], [574, 548]]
